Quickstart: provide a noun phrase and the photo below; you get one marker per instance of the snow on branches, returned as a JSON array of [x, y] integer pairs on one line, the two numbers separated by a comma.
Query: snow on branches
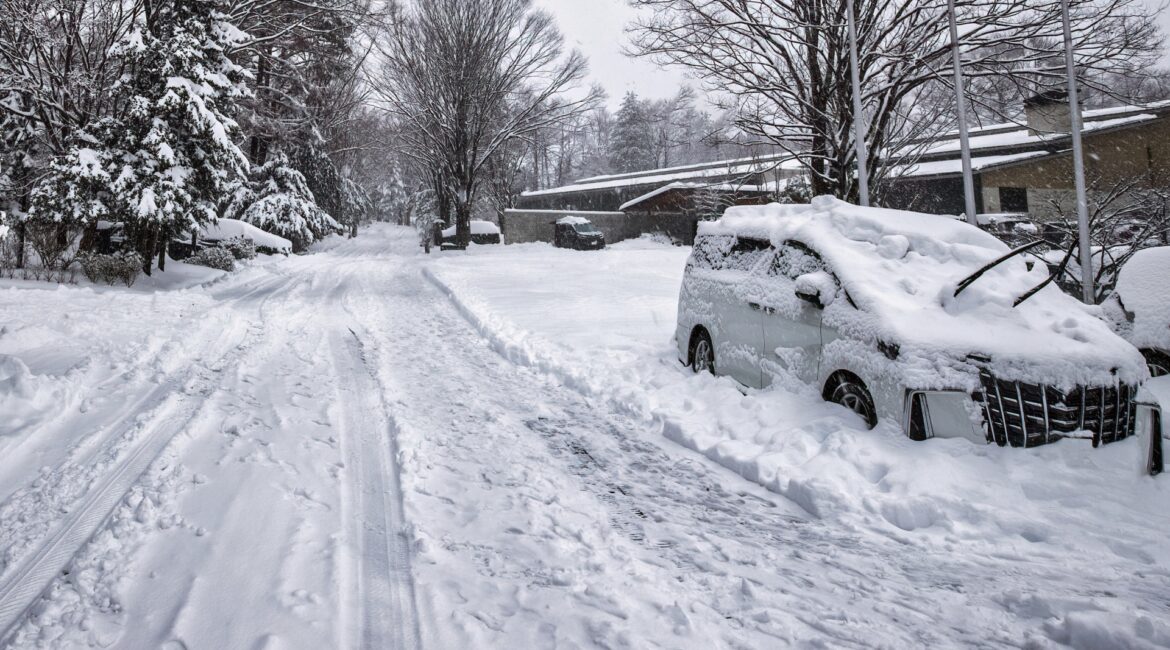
[[276, 198]]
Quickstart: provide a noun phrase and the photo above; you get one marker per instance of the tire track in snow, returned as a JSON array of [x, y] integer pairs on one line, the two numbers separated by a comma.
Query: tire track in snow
[[173, 405], [381, 611]]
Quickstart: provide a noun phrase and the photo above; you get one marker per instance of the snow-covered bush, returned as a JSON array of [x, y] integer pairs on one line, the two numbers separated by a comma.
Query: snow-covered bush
[[214, 257], [121, 267], [241, 248], [51, 240], [277, 199]]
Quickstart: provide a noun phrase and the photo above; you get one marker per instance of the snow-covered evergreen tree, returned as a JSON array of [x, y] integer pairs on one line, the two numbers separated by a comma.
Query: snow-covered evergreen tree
[[631, 143], [161, 166], [277, 199]]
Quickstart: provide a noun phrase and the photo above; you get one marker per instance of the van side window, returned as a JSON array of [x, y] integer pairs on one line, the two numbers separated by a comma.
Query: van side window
[[746, 253], [711, 252], [725, 252], [794, 259]]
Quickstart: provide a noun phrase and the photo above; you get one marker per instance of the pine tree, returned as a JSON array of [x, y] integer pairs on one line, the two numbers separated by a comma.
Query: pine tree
[[631, 144], [161, 166], [278, 200]]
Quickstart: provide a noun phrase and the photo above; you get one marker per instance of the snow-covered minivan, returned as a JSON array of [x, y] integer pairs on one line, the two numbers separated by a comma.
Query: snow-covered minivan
[[927, 321]]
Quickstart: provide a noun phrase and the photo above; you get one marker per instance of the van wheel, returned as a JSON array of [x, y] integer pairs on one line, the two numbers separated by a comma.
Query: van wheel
[[1158, 363], [702, 353], [848, 391]]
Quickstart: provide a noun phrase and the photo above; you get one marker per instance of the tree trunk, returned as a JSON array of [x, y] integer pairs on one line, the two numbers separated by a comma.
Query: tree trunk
[[462, 223], [162, 249], [147, 245], [20, 243]]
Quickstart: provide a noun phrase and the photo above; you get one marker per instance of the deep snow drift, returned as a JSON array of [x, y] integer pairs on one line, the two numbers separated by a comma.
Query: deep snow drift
[[1081, 528]]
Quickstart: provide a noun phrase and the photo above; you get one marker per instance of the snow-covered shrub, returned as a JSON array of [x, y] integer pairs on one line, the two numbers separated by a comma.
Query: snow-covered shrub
[[121, 267], [241, 248], [277, 199], [214, 257], [51, 240]]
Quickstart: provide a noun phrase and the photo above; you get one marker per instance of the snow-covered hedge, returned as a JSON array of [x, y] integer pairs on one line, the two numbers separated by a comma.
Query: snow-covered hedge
[[215, 257], [121, 267]]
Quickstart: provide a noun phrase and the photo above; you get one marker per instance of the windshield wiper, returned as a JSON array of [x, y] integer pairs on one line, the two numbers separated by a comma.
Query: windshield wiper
[[970, 279], [1051, 276]]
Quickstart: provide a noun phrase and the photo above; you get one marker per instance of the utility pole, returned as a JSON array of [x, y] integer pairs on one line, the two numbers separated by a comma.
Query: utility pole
[[961, 109], [858, 116], [1078, 161]]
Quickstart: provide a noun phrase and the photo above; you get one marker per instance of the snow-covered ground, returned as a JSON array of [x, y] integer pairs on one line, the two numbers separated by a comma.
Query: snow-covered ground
[[367, 447]]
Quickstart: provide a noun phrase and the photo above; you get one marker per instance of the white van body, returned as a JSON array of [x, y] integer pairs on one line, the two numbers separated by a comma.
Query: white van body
[[842, 296]]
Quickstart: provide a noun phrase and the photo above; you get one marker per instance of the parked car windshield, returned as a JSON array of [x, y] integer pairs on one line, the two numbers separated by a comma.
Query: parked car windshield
[[585, 228]]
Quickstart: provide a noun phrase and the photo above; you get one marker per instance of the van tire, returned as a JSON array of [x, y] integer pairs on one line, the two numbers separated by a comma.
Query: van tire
[[1158, 362], [848, 390], [702, 352]]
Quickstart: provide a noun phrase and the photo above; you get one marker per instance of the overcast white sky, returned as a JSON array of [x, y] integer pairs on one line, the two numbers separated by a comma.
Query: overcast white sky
[[595, 27]]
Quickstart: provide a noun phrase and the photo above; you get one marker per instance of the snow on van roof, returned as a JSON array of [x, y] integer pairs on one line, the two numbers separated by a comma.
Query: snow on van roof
[[1141, 284], [572, 221], [902, 268]]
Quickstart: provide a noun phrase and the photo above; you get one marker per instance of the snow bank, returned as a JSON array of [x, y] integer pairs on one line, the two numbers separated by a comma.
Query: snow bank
[[603, 326], [1142, 285], [901, 269], [25, 399], [228, 228]]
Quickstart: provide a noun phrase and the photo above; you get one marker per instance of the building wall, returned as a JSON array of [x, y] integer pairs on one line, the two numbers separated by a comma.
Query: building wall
[[521, 226], [1141, 154], [934, 196]]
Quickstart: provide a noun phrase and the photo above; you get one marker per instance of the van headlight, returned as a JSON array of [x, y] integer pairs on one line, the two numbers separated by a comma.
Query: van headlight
[[1150, 432]]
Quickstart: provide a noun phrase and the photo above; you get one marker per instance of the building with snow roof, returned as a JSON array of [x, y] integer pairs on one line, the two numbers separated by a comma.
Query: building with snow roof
[[670, 200], [1027, 168], [1018, 168]]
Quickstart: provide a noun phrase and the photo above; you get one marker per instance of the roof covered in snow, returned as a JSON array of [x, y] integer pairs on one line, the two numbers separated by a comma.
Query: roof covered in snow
[[572, 221], [901, 269], [714, 187], [716, 170]]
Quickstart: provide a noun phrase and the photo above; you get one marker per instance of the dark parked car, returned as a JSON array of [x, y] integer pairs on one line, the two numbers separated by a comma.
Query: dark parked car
[[578, 234]]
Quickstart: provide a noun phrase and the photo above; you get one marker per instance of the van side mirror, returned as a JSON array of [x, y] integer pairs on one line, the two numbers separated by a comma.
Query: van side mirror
[[813, 299], [817, 288]]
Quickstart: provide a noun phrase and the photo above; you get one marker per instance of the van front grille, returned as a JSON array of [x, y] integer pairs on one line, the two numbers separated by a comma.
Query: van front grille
[[1027, 415]]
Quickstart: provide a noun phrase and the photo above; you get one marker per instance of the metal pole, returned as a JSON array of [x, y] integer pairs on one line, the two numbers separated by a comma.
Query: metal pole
[[1078, 160], [961, 108], [858, 116]]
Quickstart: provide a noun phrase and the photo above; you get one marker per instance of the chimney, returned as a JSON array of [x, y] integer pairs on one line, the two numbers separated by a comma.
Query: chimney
[[1048, 112]]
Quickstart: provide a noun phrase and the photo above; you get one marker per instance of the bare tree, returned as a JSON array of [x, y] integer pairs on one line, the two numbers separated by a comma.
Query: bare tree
[[466, 77], [783, 65]]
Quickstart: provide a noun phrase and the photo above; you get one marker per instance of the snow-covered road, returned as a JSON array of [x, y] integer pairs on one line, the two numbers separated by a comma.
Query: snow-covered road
[[324, 452]]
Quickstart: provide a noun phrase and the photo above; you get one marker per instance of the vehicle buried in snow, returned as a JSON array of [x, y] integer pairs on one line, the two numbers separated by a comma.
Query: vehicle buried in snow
[[1138, 307], [927, 321], [577, 233], [482, 232]]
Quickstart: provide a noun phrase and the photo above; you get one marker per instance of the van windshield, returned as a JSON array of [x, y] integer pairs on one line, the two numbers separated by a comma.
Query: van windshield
[[585, 228]]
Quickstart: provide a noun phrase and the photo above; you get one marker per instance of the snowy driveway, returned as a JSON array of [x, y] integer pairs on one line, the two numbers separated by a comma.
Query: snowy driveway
[[325, 452]]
